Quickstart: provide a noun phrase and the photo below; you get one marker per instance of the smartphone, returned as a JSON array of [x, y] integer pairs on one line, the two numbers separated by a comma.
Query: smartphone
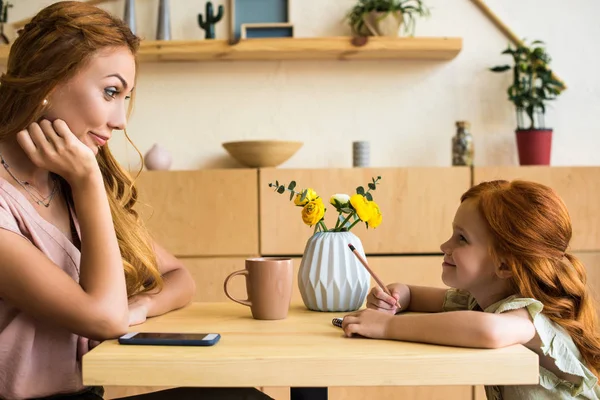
[[170, 339]]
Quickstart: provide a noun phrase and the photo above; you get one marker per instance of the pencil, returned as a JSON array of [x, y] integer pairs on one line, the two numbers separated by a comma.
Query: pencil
[[373, 274]]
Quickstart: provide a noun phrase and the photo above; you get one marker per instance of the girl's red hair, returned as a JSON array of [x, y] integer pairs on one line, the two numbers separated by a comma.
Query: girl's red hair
[[531, 231]]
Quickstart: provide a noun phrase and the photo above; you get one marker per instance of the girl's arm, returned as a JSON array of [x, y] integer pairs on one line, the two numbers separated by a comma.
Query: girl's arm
[[458, 328], [411, 298], [178, 289]]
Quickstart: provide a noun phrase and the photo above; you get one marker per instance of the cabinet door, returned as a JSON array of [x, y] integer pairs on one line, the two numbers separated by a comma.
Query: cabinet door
[[579, 187], [201, 213], [418, 206], [209, 275], [591, 260]]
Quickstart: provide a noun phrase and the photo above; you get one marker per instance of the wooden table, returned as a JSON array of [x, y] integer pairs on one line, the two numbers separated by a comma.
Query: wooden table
[[304, 350]]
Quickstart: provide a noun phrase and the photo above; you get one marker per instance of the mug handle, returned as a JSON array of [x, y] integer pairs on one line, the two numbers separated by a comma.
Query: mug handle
[[241, 272]]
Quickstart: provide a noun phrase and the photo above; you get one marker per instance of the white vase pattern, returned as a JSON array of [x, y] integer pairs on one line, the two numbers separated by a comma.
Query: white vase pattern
[[331, 278]]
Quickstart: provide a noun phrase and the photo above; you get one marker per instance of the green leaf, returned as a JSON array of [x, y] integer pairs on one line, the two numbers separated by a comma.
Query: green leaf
[[303, 197], [292, 185], [372, 186], [281, 189], [292, 195], [369, 197], [360, 190], [277, 183]]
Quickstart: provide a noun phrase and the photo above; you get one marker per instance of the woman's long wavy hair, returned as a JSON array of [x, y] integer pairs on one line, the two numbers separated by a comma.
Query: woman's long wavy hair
[[51, 49], [531, 231]]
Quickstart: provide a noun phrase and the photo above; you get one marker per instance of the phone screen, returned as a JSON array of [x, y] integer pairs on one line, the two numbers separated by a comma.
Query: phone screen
[[171, 336]]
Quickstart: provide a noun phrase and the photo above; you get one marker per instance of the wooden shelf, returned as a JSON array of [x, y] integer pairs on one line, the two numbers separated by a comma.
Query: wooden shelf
[[328, 48]]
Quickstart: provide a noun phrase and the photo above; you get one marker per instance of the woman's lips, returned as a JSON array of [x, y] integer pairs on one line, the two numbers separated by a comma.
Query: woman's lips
[[100, 140]]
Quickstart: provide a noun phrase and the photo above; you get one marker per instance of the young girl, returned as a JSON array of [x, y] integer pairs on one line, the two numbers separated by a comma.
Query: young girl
[[75, 261], [513, 282]]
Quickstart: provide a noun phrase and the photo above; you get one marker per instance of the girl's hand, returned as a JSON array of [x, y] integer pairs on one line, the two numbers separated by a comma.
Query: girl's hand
[[367, 323], [381, 301], [138, 309], [52, 146]]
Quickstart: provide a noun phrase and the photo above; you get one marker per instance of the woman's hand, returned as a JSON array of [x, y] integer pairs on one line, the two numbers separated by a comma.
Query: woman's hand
[[52, 146], [138, 309], [367, 323], [381, 301]]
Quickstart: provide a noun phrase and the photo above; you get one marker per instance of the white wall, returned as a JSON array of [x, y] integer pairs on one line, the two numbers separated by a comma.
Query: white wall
[[406, 109]]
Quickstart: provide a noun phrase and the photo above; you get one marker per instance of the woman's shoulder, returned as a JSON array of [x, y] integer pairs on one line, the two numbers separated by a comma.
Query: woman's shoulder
[[9, 209]]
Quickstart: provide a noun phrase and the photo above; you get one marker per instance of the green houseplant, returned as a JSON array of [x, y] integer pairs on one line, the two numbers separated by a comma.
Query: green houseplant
[[385, 17], [533, 86]]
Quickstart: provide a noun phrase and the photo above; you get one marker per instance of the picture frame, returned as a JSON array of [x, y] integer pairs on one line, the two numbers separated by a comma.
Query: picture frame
[[258, 12]]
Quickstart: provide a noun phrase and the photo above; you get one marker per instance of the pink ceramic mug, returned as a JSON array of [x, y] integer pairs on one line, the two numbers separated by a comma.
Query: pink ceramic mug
[[268, 285]]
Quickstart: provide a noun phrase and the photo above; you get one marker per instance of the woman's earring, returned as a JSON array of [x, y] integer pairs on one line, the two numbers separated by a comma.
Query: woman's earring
[[45, 102]]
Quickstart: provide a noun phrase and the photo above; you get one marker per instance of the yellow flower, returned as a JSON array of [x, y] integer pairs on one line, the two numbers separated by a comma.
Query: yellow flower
[[310, 196], [376, 216], [360, 204], [313, 212]]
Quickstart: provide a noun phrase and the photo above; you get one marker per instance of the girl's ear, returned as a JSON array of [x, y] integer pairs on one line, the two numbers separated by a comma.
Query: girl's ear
[[504, 272]]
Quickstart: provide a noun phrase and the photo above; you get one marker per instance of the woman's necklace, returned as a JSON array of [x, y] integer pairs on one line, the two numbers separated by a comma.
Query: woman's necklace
[[37, 197]]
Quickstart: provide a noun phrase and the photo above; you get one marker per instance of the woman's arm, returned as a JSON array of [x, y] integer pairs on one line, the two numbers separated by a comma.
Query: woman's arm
[[97, 306], [458, 328], [178, 289]]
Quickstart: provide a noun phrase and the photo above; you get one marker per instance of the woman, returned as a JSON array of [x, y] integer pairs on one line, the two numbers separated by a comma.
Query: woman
[[75, 261]]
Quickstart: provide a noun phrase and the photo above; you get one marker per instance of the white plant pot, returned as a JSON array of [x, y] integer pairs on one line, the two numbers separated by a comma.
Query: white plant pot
[[384, 23], [331, 278]]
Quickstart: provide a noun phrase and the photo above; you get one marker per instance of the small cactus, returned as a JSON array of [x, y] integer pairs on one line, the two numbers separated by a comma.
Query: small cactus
[[211, 20]]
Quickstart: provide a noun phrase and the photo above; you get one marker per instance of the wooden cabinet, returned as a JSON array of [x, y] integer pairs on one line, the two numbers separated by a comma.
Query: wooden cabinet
[[201, 213], [579, 187], [418, 206]]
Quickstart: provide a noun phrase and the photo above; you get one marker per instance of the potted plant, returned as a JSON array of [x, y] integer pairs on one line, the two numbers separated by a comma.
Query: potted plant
[[532, 88], [385, 17], [330, 277]]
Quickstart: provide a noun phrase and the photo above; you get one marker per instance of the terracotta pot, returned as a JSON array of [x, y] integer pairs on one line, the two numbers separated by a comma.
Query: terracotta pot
[[534, 146]]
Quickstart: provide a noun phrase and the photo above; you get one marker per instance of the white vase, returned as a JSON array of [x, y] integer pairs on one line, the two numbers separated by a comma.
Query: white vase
[[331, 278], [158, 158]]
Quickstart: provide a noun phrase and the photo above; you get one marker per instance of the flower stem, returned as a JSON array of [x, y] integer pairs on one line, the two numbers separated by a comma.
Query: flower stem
[[354, 223], [346, 220], [323, 225], [337, 222]]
